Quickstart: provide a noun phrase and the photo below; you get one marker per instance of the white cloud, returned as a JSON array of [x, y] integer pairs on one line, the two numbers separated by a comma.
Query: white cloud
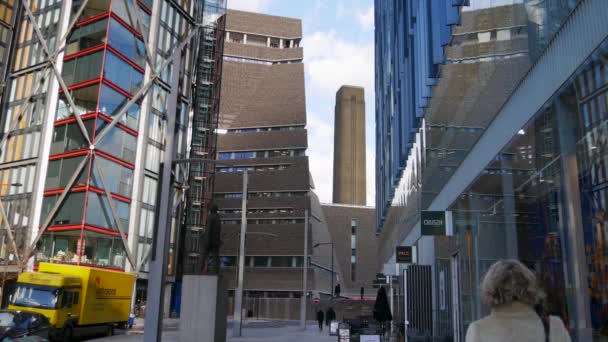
[[249, 5], [366, 19], [321, 153], [331, 62]]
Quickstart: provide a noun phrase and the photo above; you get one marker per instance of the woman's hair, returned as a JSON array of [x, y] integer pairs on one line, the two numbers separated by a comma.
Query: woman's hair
[[508, 281]]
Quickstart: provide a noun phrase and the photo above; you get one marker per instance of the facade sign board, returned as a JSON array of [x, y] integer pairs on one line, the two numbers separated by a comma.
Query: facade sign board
[[404, 254], [435, 223]]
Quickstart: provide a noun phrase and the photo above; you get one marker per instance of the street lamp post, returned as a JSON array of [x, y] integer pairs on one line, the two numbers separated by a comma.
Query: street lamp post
[[238, 294], [332, 264]]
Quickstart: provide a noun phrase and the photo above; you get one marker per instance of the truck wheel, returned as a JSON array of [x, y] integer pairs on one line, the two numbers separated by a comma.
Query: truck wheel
[[68, 333], [110, 331]]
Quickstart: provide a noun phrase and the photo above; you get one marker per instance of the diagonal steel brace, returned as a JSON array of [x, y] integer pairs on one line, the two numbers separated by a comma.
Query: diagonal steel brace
[[138, 21], [115, 214], [45, 70], [142, 91], [7, 226], [66, 92], [56, 207]]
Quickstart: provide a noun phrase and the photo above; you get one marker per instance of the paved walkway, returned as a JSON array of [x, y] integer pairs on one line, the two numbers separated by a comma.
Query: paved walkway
[[261, 331]]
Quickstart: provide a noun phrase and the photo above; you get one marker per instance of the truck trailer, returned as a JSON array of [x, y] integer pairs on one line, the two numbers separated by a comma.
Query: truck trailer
[[75, 298]]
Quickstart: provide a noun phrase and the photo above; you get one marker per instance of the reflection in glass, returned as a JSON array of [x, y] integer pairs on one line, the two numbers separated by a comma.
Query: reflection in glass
[[69, 137], [111, 102], [117, 142], [99, 213], [32, 296], [126, 43], [82, 68], [117, 177], [92, 249], [86, 36], [61, 170], [85, 100], [543, 199], [70, 212], [93, 8], [122, 74]]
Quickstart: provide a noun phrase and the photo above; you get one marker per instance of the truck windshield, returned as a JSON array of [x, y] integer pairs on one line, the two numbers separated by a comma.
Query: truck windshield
[[34, 296]]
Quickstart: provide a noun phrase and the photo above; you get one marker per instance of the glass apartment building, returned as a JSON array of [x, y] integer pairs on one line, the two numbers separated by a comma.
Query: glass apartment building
[[507, 131], [83, 136]]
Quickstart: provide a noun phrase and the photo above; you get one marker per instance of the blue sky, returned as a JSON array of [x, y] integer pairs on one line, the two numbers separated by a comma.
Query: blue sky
[[338, 49]]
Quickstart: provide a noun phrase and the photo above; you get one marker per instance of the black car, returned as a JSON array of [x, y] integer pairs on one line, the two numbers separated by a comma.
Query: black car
[[23, 326]]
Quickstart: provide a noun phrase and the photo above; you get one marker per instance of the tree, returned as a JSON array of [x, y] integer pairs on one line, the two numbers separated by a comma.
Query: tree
[[382, 310]]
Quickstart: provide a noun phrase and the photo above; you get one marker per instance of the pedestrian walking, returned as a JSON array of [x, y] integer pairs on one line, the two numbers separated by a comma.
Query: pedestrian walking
[[337, 290], [320, 317], [511, 290], [330, 315], [362, 292]]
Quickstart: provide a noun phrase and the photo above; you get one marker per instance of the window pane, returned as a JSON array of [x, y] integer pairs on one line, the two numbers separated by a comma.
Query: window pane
[[99, 213], [281, 261], [102, 250], [86, 36], [111, 102], [118, 143], [120, 8], [82, 68], [69, 137], [122, 74], [60, 171], [156, 130], [260, 261], [118, 178], [93, 8], [70, 211], [126, 43], [150, 187], [153, 158], [85, 100], [60, 247]]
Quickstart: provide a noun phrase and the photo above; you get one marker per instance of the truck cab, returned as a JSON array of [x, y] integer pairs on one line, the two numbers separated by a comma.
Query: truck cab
[[75, 298], [56, 296]]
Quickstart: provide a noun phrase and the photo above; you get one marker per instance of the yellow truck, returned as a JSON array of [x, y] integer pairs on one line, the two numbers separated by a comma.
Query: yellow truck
[[75, 297]]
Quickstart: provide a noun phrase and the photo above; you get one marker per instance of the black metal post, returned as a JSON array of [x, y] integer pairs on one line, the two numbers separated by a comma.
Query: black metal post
[[332, 269]]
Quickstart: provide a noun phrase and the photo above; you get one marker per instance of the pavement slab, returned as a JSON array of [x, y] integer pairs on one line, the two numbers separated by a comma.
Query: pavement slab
[[269, 331]]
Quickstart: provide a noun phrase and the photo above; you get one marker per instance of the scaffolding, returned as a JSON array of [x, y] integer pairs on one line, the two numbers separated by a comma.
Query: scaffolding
[[204, 138]]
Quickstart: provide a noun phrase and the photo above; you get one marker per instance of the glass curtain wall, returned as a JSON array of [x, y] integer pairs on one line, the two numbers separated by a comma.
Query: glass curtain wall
[[543, 200], [23, 108], [103, 68]]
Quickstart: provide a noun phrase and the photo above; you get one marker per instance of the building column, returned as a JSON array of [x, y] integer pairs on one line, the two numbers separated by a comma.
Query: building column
[[509, 224], [267, 41], [244, 38], [575, 263], [227, 36], [141, 147], [47, 131]]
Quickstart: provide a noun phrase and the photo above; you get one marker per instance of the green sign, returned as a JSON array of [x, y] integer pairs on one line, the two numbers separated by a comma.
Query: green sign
[[404, 254], [433, 223]]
